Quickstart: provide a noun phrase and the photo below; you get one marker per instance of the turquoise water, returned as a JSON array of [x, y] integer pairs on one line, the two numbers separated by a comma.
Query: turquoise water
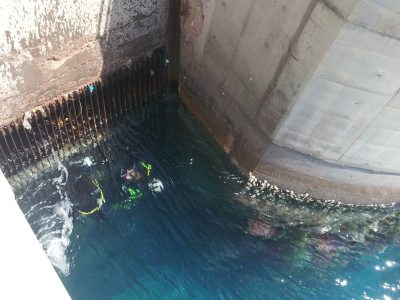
[[200, 230]]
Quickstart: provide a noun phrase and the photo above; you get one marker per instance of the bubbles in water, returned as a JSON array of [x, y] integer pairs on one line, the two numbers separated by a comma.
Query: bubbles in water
[[63, 178], [87, 162], [57, 240], [341, 282], [52, 220]]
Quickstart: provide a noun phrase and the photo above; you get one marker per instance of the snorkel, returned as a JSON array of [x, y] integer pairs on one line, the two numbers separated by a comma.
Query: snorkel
[[147, 166]]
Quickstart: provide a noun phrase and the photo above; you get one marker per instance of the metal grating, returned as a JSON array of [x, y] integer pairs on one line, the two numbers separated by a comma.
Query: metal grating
[[81, 116]]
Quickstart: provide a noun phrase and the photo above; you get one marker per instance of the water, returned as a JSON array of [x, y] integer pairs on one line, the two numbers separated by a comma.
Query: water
[[200, 230]]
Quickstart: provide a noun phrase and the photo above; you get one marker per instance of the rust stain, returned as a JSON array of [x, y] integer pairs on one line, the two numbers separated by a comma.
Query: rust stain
[[193, 19]]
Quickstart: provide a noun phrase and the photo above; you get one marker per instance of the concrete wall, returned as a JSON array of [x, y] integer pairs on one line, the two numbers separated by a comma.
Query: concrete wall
[[349, 111], [27, 272], [311, 82], [48, 48]]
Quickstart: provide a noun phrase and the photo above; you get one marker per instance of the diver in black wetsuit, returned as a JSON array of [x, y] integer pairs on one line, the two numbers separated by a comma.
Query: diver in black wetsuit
[[86, 194]]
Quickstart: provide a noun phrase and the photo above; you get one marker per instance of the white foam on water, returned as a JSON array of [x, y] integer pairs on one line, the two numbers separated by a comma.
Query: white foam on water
[[63, 178], [57, 241], [56, 224]]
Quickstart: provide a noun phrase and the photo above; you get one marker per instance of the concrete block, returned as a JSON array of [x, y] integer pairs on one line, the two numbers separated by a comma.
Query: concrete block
[[229, 20], [377, 16], [378, 147], [315, 39], [361, 38], [259, 51], [360, 69], [328, 117], [242, 95], [392, 5]]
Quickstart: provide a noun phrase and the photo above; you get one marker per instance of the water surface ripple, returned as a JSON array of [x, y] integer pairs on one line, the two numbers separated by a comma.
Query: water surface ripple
[[200, 230]]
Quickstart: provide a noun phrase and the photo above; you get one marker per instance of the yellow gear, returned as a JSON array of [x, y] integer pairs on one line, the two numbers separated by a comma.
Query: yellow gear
[[102, 200]]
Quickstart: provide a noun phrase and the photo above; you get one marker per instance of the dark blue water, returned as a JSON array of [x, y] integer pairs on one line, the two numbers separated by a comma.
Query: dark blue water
[[200, 230]]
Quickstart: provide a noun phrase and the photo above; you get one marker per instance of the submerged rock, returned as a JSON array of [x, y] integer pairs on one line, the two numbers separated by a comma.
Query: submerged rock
[[261, 229], [329, 245]]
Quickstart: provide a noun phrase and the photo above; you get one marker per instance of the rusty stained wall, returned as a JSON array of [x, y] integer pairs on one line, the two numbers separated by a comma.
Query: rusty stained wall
[[49, 48]]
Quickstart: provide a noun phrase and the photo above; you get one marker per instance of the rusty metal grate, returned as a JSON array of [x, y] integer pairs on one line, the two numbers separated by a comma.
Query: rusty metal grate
[[81, 116]]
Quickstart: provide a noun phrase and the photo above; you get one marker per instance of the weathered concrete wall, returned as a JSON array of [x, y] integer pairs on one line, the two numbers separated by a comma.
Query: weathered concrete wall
[[48, 48], [311, 82], [349, 111], [25, 267]]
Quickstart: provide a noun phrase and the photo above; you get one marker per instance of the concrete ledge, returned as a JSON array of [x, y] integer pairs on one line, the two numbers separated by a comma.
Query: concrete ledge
[[25, 270], [302, 173]]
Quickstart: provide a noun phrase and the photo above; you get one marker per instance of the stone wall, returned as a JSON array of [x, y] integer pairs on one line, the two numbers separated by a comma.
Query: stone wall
[[298, 91], [49, 48]]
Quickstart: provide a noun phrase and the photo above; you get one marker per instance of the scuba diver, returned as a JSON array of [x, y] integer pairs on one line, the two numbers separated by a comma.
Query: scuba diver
[[86, 194], [134, 181]]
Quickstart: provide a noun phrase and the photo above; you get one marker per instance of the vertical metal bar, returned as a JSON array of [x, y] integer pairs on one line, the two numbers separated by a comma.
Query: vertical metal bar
[[40, 134], [28, 140], [134, 87], [131, 83], [69, 120], [159, 68], [86, 111], [113, 95], [58, 125], [52, 128], [149, 77], [139, 78], [152, 76], [15, 146], [163, 64], [127, 80], [22, 144], [9, 150], [76, 100], [45, 129], [63, 120], [158, 72], [5, 158], [93, 113], [125, 90], [118, 93], [109, 100], [72, 101], [36, 143], [100, 85], [101, 123], [143, 75]]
